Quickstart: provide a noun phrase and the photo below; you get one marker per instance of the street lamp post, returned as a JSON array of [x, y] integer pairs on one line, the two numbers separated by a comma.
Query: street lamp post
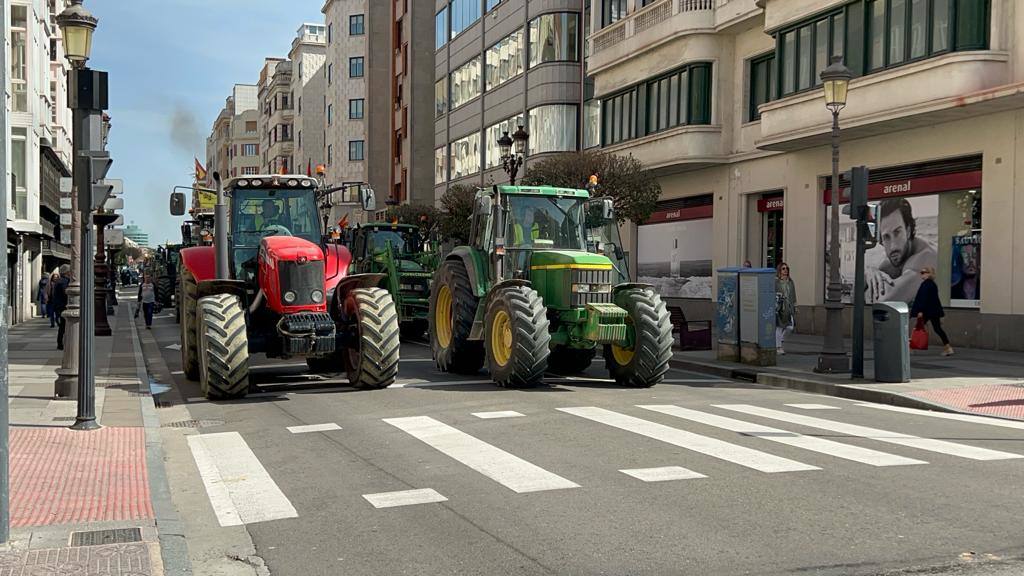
[[513, 149], [835, 80]]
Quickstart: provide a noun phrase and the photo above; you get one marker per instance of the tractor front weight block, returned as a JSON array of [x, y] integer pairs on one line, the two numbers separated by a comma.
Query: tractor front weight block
[[307, 334], [606, 323]]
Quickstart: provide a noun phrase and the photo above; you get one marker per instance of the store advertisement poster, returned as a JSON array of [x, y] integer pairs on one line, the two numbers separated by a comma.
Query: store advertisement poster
[[675, 257], [908, 241], [965, 275]]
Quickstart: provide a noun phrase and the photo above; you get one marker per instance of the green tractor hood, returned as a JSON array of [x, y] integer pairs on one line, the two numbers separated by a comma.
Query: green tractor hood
[[567, 260]]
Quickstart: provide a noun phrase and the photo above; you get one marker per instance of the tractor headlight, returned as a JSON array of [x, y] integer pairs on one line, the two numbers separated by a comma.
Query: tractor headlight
[[581, 287], [317, 296], [289, 297], [592, 288]]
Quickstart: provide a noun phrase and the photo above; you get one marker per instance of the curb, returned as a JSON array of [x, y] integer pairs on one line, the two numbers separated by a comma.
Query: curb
[[170, 529]]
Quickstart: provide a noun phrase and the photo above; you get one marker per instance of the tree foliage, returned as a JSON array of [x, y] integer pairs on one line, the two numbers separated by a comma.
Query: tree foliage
[[456, 213], [633, 188], [416, 214]]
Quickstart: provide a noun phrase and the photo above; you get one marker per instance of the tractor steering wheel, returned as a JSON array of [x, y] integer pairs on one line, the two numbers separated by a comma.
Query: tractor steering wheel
[[276, 230]]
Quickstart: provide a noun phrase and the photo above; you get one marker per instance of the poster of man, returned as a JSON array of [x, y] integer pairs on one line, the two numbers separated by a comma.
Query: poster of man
[[965, 278]]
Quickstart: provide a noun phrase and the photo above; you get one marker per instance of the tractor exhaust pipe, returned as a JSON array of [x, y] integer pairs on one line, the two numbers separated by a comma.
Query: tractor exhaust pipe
[[220, 230]]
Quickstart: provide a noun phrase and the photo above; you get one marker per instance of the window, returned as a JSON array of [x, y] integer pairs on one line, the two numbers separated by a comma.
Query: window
[[440, 97], [491, 135], [680, 97], [355, 150], [492, 3], [250, 170], [250, 149], [330, 33], [330, 73], [612, 11], [465, 156], [19, 59], [762, 85], [440, 165], [465, 83], [591, 123], [53, 101], [972, 22], [940, 25], [330, 113], [299, 138], [356, 25], [19, 172], [355, 67], [553, 38], [897, 30], [464, 14], [250, 126], [918, 28], [441, 28], [330, 154], [504, 60], [552, 128], [355, 108]]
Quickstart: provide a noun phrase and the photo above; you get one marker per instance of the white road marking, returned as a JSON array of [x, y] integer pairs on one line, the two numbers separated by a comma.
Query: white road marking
[[498, 414], [703, 444], [404, 498], [820, 445], [419, 383], [950, 416], [940, 446], [177, 373], [239, 487], [814, 406], [313, 428], [173, 347], [504, 468], [663, 474]]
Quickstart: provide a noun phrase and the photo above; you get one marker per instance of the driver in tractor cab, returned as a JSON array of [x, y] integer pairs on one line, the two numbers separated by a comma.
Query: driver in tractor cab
[[535, 224], [270, 215]]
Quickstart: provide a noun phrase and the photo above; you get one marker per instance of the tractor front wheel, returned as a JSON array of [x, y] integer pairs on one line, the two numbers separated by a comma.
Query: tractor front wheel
[[189, 326], [374, 363], [516, 337], [223, 347], [452, 311], [568, 361], [643, 362]]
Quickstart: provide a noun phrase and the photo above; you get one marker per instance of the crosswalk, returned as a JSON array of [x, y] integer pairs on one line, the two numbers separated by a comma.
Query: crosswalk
[[714, 444]]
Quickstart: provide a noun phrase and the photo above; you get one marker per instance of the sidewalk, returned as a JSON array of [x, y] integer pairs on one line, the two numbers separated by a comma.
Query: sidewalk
[[972, 381], [80, 501]]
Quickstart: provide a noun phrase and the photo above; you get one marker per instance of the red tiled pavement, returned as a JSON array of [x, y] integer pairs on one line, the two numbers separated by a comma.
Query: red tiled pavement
[[62, 476], [993, 400]]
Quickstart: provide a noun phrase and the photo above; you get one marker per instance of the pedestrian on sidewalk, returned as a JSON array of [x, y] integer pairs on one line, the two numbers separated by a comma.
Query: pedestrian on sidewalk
[[59, 296], [785, 306], [147, 299], [41, 293], [928, 308], [50, 285]]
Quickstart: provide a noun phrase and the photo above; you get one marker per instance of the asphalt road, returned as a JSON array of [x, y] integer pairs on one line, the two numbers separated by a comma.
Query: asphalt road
[[749, 484]]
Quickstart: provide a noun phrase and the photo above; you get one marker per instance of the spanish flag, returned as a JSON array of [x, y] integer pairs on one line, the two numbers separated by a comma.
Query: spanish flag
[[200, 171]]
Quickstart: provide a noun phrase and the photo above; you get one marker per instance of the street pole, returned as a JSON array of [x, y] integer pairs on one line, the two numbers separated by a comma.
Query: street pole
[[833, 358], [857, 371], [5, 201]]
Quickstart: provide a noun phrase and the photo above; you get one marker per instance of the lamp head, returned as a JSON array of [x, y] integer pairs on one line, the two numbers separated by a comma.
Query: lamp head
[[520, 137], [77, 25], [505, 144], [836, 81]]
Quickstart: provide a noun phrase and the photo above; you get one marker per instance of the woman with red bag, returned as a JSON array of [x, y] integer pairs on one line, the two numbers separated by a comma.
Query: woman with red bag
[[928, 308]]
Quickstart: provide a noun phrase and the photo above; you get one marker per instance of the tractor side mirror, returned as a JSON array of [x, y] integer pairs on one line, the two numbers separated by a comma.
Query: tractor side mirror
[[483, 206], [177, 203], [601, 210], [367, 199]]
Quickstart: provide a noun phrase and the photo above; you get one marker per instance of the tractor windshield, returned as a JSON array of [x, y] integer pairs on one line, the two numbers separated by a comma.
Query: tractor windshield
[[403, 241], [273, 212], [544, 222]]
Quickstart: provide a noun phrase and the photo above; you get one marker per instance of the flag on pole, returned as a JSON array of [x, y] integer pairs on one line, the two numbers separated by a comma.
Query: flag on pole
[[200, 171], [343, 223], [309, 168]]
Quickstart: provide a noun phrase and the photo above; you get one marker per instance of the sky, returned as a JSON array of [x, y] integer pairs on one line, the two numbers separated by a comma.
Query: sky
[[171, 65]]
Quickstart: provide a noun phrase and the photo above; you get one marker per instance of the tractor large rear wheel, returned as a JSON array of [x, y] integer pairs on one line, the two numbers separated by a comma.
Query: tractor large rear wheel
[[648, 327], [223, 347], [452, 311], [516, 337], [189, 326], [568, 361], [374, 364], [164, 290]]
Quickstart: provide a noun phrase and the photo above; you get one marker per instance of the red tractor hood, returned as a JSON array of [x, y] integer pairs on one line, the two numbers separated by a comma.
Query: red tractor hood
[[288, 248]]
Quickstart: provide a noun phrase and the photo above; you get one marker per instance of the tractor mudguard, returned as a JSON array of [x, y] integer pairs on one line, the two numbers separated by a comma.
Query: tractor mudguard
[[475, 267], [477, 333], [629, 285], [200, 261], [369, 280], [211, 287]]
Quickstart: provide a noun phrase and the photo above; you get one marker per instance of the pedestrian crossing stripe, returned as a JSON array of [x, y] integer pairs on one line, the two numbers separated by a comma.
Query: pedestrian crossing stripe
[[404, 498], [663, 474], [986, 420]]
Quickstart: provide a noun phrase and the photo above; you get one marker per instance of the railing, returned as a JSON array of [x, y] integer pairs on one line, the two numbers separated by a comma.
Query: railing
[[644, 19]]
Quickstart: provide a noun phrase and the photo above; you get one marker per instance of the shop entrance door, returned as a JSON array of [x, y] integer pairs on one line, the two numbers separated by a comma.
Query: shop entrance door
[[772, 229]]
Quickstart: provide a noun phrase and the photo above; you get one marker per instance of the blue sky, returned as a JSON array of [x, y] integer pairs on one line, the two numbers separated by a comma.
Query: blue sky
[[171, 64]]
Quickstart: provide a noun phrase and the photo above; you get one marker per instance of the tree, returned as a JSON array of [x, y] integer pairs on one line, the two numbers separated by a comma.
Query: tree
[[415, 214], [456, 213], [633, 188]]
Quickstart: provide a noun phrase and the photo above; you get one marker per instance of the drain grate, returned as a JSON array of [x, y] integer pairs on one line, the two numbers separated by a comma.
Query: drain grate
[[101, 537], [194, 424]]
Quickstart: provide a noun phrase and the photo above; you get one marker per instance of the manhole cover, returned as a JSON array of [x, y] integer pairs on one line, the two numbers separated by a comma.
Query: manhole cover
[[101, 537], [194, 424]]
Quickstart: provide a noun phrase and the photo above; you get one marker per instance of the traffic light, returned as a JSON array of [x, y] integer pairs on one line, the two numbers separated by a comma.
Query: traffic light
[[99, 165], [859, 192]]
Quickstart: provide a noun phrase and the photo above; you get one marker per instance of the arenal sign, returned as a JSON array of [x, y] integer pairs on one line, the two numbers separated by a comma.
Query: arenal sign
[[679, 214], [915, 186], [771, 204]]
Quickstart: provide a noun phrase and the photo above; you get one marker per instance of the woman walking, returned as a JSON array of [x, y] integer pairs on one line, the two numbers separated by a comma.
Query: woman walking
[[51, 312], [147, 298], [928, 308], [785, 309]]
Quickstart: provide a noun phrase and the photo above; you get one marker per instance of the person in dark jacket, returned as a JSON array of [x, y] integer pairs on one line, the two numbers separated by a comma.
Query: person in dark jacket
[[60, 302], [928, 308]]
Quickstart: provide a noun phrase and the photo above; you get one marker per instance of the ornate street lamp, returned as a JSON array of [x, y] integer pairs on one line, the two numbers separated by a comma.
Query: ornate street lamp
[[836, 81], [76, 27], [513, 149]]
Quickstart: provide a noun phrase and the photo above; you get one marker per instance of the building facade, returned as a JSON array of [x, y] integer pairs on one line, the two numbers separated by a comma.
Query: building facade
[[723, 100], [500, 65], [411, 141], [137, 235], [39, 146], [309, 83], [277, 117], [233, 147]]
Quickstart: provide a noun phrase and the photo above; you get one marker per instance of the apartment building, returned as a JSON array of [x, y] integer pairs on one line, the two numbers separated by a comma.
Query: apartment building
[[234, 143], [411, 137], [39, 146], [500, 65], [723, 100], [277, 116], [309, 84]]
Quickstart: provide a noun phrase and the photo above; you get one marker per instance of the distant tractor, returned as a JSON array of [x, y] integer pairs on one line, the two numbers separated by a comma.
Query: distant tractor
[[542, 284], [166, 274], [406, 257], [273, 283]]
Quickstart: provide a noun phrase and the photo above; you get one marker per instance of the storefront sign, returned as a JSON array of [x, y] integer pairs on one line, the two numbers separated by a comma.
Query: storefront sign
[[772, 204], [916, 186], [679, 214]]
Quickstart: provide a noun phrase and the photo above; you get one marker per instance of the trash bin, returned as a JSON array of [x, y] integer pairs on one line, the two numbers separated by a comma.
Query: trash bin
[[891, 343]]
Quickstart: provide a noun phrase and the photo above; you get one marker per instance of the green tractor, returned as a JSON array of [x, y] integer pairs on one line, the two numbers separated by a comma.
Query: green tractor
[[165, 274], [543, 283], [404, 253]]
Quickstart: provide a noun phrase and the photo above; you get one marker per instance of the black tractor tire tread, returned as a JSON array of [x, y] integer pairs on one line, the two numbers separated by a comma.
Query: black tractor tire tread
[[568, 361], [531, 338], [653, 349], [226, 349], [164, 288], [462, 356], [189, 322], [379, 341]]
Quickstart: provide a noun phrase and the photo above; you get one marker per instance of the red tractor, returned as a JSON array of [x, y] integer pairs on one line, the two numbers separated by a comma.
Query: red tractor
[[274, 283]]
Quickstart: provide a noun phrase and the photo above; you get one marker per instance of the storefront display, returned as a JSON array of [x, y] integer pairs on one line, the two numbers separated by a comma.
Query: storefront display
[[675, 250]]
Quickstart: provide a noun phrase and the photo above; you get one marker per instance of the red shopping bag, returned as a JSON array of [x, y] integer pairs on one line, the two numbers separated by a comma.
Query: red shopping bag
[[919, 338]]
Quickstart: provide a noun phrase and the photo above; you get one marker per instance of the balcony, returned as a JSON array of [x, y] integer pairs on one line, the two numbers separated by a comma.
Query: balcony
[[653, 25], [939, 89], [687, 147]]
